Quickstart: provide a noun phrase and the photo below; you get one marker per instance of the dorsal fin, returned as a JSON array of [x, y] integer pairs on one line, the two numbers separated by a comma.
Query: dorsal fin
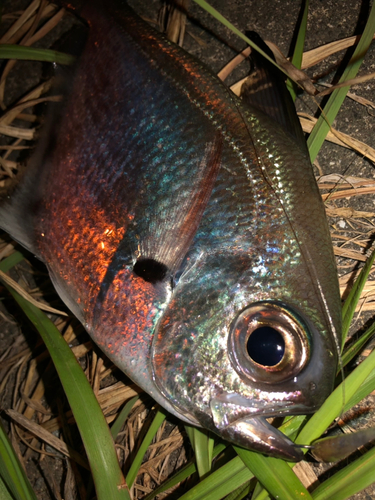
[[266, 91]]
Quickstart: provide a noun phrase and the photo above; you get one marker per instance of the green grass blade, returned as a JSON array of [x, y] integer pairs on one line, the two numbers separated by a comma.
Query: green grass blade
[[364, 390], [8, 51], [182, 474], [300, 42], [275, 475], [4, 493], [221, 482], [337, 97], [13, 259], [357, 346], [90, 420], [292, 425], [348, 309], [260, 493], [124, 413], [242, 491], [214, 13], [14, 479], [134, 468], [334, 404], [203, 445], [298, 49], [348, 481], [96, 437]]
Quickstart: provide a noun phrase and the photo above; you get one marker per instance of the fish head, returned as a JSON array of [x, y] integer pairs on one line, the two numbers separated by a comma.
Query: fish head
[[229, 353]]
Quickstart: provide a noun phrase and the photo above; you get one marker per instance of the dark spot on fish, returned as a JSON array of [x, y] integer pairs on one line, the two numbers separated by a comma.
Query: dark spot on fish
[[266, 346], [150, 270]]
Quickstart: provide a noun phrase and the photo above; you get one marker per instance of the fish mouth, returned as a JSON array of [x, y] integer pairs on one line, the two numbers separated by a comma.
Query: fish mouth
[[245, 427]]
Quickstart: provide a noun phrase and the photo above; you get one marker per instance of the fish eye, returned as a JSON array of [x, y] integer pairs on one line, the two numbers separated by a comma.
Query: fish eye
[[269, 343], [150, 270], [266, 346]]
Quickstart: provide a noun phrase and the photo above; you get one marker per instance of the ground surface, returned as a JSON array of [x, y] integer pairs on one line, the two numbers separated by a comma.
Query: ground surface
[[274, 20]]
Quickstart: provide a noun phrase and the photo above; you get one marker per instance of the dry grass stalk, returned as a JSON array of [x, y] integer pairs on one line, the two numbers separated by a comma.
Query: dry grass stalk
[[335, 181], [23, 18], [45, 29], [353, 97], [363, 243], [294, 73], [28, 40], [315, 56], [13, 147], [47, 437], [339, 138], [349, 254], [173, 18], [44, 307], [15, 112], [305, 473], [347, 193], [232, 65], [19, 133], [347, 83], [8, 166], [310, 58], [347, 213]]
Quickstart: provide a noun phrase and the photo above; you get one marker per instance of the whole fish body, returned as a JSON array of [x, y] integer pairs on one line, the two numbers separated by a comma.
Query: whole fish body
[[184, 228]]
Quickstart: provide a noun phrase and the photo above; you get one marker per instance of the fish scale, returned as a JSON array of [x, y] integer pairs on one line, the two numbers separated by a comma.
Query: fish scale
[[175, 220]]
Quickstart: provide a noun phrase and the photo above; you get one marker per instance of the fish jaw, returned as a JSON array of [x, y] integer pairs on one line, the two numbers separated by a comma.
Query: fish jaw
[[264, 438]]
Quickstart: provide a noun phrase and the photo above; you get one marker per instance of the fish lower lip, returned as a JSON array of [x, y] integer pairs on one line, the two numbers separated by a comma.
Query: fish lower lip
[[248, 429], [259, 435]]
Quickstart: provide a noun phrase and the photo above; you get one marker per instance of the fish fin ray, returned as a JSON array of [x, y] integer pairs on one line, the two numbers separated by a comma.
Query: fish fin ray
[[266, 91], [187, 216]]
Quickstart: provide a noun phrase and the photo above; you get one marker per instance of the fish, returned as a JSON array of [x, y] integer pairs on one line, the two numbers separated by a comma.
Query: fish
[[183, 226]]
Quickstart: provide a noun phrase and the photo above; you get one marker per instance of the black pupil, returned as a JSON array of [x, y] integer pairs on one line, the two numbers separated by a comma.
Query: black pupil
[[150, 270], [266, 346]]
